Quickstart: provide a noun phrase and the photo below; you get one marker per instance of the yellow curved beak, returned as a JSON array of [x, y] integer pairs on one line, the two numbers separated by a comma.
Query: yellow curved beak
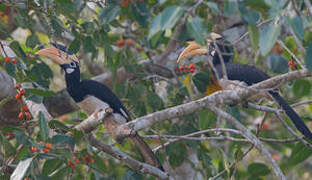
[[57, 56], [194, 49]]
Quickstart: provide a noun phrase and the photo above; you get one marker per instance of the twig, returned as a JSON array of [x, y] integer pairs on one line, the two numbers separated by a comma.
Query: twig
[[132, 163], [289, 129], [292, 54]]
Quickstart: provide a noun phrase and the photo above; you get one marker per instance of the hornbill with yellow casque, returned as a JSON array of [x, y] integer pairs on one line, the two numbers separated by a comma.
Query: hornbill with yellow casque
[[92, 96], [236, 71]]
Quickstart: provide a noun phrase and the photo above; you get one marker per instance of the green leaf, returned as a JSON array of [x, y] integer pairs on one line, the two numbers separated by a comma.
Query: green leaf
[[176, 159], [214, 7], [15, 46], [301, 88], [44, 130], [57, 27], [154, 101], [201, 81], [6, 147], [109, 13], [206, 119], [250, 16], [10, 69], [22, 168], [299, 154], [140, 12], [61, 173], [308, 57], [88, 44], [51, 165], [41, 92], [277, 63], [268, 37], [54, 124], [253, 33], [132, 175], [297, 26], [165, 20], [75, 45], [258, 169], [195, 27], [21, 138], [5, 100], [32, 41], [63, 139]]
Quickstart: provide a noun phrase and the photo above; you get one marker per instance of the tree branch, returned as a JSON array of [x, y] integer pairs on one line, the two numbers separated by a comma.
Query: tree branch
[[134, 164]]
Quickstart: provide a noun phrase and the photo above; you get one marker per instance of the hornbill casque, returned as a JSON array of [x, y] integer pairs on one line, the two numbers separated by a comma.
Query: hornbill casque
[[92, 96], [239, 72]]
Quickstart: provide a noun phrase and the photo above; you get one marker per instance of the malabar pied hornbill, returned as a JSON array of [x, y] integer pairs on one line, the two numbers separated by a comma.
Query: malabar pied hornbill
[[236, 71], [92, 96]]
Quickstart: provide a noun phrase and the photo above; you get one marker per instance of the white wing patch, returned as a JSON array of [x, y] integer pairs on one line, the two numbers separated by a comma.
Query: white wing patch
[[124, 113]]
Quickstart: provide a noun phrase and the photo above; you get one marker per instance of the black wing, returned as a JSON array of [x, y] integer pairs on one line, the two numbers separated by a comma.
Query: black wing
[[243, 72], [103, 93]]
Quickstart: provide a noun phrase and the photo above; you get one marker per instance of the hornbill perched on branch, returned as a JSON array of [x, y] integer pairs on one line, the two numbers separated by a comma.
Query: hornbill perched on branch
[[92, 96], [236, 71]]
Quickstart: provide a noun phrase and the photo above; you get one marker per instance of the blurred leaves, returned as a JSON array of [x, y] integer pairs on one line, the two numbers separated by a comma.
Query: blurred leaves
[[277, 64], [92, 31], [268, 37]]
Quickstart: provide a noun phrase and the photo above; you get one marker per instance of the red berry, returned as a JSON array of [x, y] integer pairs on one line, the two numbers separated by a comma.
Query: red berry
[[25, 108], [91, 160], [46, 150], [17, 96], [10, 134], [19, 101], [191, 66], [28, 115], [120, 43], [124, 4], [192, 70], [129, 42], [17, 86], [85, 159], [23, 91], [70, 163], [48, 145], [34, 149], [181, 68], [26, 178], [76, 159], [14, 61], [21, 115], [7, 59]]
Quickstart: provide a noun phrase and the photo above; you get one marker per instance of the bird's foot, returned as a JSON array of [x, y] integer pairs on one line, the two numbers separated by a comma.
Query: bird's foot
[[109, 110]]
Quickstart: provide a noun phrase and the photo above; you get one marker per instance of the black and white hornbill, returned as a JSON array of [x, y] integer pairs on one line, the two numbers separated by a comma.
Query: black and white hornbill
[[92, 96], [236, 71]]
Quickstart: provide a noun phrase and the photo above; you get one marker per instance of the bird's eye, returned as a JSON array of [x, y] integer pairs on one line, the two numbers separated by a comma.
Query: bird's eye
[[72, 64]]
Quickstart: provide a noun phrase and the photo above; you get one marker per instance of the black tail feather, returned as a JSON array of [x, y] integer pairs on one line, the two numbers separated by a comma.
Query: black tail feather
[[292, 115]]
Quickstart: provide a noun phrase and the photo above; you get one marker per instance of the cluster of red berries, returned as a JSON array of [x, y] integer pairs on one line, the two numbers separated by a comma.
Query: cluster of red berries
[[85, 159], [125, 3], [24, 113], [292, 64], [187, 68], [127, 43], [121, 43], [9, 60], [46, 149]]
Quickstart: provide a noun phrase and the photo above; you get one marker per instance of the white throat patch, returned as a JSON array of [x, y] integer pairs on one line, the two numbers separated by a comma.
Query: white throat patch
[[69, 70]]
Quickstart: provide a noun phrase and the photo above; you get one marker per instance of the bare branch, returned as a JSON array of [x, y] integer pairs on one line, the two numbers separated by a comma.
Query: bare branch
[[134, 164]]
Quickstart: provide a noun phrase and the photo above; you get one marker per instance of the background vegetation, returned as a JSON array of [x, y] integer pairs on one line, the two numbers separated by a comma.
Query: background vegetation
[[132, 46]]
